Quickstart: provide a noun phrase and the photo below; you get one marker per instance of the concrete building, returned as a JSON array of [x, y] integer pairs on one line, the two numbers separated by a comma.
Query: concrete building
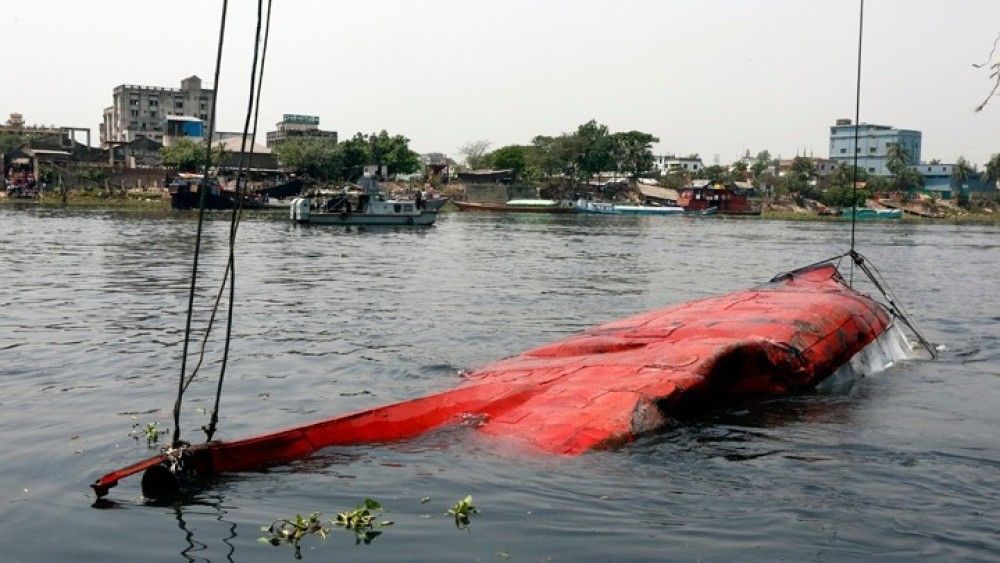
[[294, 125], [670, 163], [873, 145], [148, 111], [66, 136]]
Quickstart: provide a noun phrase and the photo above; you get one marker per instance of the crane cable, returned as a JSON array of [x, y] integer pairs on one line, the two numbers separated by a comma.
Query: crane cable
[[197, 244], [857, 126], [245, 159], [229, 274]]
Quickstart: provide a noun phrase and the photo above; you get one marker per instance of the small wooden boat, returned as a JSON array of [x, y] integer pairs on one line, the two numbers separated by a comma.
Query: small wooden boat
[[607, 385], [519, 206]]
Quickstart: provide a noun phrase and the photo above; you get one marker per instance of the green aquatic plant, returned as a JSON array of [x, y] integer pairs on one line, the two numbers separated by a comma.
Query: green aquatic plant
[[293, 531], [463, 511], [362, 521], [151, 431]]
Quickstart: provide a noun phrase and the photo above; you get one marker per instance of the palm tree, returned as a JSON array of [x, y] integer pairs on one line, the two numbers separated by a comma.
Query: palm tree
[[993, 169], [961, 171], [897, 158]]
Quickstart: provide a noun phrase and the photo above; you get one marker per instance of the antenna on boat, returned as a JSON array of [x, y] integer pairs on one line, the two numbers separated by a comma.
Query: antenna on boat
[[857, 126]]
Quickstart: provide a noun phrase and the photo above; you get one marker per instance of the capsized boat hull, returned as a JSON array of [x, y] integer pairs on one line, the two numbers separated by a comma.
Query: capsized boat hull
[[611, 383]]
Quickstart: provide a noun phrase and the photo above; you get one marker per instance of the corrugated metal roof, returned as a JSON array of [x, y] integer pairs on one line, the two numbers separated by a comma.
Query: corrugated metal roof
[[658, 192]]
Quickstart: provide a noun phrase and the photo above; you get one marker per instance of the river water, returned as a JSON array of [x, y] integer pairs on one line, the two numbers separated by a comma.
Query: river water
[[899, 465]]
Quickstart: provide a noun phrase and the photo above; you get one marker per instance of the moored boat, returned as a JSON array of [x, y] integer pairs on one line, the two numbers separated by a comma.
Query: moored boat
[[609, 384], [519, 206], [367, 206], [375, 211], [867, 213], [607, 208], [648, 210]]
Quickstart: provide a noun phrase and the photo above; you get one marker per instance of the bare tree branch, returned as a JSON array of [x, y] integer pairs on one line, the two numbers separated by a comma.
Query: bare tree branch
[[995, 75]]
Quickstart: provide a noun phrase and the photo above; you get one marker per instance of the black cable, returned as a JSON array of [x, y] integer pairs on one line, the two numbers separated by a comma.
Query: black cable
[[857, 126], [197, 244], [245, 161]]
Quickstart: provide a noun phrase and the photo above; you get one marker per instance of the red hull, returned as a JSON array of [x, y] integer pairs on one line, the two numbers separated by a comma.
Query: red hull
[[612, 382]]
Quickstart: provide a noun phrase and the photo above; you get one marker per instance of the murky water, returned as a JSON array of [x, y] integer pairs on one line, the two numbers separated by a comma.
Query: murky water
[[901, 465]]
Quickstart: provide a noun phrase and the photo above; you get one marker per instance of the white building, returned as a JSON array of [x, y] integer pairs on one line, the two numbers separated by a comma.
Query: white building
[[143, 111], [670, 163]]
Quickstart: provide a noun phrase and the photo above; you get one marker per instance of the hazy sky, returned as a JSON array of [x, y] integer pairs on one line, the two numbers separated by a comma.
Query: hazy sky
[[712, 77]]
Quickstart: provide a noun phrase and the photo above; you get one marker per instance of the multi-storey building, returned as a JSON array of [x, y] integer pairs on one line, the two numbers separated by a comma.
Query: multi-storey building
[[873, 145], [146, 111], [293, 125]]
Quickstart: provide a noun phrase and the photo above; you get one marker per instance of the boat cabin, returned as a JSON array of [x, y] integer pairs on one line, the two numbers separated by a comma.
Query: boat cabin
[[701, 195]]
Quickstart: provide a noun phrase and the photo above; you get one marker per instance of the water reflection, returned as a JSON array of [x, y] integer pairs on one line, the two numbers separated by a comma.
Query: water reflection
[[195, 549]]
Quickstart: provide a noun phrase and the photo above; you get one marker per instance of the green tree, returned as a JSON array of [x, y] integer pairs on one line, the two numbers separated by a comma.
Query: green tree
[[843, 175], [961, 172], [393, 151], [714, 173], [804, 166], [315, 158], [897, 158], [993, 169], [188, 155], [352, 157], [761, 163], [513, 157], [740, 170], [632, 152], [10, 141], [878, 184], [908, 180], [594, 150]]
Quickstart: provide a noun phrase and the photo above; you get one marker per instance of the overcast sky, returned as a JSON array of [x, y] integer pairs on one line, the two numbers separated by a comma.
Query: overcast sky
[[712, 77]]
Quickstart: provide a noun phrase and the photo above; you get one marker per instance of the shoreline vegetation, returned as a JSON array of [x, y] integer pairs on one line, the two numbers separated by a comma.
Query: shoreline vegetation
[[157, 202]]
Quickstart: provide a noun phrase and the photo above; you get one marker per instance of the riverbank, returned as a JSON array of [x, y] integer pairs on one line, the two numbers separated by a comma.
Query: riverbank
[[157, 201]]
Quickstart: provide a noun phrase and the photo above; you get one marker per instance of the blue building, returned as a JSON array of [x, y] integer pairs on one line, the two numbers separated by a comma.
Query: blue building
[[873, 145], [939, 179]]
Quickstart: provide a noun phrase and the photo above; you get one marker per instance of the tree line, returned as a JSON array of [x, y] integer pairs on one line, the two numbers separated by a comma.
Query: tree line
[[320, 159], [579, 155]]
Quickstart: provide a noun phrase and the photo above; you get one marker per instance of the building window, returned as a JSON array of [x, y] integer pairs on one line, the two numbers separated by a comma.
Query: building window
[[152, 113], [857, 149], [203, 106], [843, 151], [154, 103], [133, 125], [179, 105], [871, 169], [873, 150], [133, 102], [134, 113]]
